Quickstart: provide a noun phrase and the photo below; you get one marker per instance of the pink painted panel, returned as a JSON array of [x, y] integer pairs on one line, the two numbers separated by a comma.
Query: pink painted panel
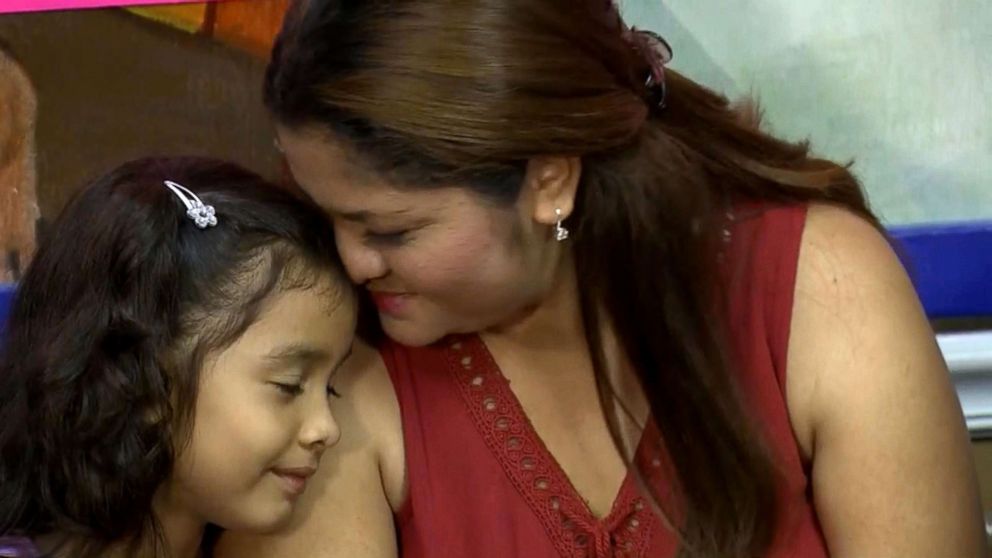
[[9, 6]]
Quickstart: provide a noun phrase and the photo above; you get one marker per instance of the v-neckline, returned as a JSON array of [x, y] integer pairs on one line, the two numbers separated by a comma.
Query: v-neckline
[[534, 471]]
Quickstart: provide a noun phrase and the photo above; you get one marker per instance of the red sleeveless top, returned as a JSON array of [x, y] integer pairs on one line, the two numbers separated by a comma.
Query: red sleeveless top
[[483, 485]]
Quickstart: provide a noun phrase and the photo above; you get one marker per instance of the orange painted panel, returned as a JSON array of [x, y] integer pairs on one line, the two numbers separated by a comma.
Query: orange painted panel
[[251, 25]]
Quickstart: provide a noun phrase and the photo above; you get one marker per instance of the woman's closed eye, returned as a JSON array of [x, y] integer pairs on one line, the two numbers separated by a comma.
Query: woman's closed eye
[[289, 389], [388, 238]]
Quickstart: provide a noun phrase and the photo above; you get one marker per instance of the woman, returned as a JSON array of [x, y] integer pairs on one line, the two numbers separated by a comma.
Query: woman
[[622, 321]]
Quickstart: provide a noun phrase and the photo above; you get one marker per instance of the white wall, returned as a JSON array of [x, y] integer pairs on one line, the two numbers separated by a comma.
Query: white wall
[[902, 87]]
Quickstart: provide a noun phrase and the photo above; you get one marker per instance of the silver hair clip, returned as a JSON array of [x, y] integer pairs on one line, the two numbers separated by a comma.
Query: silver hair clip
[[203, 215]]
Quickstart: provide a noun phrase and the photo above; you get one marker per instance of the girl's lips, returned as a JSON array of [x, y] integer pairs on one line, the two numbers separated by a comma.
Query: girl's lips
[[295, 480]]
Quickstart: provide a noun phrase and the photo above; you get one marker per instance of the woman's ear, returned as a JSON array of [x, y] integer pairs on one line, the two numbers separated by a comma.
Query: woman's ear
[[553, 181]]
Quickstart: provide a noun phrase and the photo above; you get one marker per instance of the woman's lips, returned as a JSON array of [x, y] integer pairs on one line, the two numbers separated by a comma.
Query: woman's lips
[[389, 302]]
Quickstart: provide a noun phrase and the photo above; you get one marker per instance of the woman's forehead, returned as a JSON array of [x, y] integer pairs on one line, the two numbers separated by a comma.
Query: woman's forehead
[[333, 175]]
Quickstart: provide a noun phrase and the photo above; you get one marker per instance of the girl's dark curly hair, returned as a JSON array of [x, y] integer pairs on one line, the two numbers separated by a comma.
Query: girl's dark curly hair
[[101, 356]]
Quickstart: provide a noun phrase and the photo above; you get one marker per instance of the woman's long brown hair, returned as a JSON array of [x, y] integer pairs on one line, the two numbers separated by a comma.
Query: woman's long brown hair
[[435, 92]]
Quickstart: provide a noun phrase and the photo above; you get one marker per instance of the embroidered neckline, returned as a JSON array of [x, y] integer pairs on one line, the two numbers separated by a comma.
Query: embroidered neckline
[[572, 527]]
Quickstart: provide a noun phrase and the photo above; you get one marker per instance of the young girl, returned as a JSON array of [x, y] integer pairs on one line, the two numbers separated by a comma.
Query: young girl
[[167, 364]]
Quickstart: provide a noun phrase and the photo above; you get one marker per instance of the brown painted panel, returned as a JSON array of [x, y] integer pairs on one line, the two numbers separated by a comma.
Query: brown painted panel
[[112, 86]]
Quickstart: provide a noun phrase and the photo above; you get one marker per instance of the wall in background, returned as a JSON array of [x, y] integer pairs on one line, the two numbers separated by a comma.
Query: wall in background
[[113, 86], [902, 87]]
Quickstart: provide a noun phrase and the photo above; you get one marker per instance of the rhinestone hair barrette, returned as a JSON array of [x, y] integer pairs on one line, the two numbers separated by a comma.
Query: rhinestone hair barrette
[[203, 215]]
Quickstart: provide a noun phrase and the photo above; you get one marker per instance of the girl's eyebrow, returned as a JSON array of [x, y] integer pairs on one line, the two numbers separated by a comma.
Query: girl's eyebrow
[[304, 355], [297, 353]]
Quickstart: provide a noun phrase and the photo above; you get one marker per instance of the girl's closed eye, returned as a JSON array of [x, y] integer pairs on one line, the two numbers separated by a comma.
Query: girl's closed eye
[[296, 389]]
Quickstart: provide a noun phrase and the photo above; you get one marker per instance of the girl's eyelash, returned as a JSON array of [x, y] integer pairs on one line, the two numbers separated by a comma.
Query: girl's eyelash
[[295, 389]]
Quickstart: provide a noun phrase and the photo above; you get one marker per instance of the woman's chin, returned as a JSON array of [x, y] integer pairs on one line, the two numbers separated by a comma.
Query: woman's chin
[[410, 332]]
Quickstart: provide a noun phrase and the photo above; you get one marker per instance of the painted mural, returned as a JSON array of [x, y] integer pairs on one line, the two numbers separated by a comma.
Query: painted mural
[[84, 90]]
